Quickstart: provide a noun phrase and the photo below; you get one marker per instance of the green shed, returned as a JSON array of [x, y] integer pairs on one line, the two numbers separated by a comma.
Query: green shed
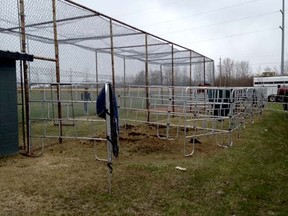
[[8, 102]]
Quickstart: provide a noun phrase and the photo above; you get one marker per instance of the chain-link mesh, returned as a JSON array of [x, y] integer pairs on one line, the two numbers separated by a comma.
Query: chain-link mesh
[[93, 48]]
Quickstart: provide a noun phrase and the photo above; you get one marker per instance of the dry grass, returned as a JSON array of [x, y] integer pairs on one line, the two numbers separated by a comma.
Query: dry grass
[[247, 179]]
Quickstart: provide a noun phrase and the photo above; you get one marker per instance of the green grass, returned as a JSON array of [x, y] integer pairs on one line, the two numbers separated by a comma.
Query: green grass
[[248, 179]]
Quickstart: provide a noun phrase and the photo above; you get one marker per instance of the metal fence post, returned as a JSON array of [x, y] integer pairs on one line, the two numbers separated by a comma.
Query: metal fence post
[[112, 55], [173, 90], [147, 78], [190, 69], [96, 71]]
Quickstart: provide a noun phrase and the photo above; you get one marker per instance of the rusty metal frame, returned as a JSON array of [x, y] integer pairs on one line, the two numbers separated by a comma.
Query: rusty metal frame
[[56, 47]]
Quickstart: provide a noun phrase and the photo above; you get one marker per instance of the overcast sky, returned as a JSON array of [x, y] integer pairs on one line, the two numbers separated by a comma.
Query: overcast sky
[[237, 29]]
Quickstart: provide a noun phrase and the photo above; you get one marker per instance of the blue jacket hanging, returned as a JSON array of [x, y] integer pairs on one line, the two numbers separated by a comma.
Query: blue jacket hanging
[[101, 112]]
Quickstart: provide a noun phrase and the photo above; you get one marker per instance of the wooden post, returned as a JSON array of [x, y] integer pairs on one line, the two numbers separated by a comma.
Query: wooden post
[[56, 48], [25, 75], [147, 78], [112, 54]]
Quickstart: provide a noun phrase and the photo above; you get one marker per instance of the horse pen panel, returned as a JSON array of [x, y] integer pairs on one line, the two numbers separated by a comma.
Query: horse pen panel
[[79, 119], [149, 75]]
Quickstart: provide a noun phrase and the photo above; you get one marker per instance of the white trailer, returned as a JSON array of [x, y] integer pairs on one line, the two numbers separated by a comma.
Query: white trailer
[[270, 84]]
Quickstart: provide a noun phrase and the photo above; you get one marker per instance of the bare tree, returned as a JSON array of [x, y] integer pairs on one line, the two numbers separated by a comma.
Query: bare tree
[[198, 73], [243, 74], [267, 69], [139, 78], [155, 77], [210, 73], [234, 73], [276, 70], [228, 71], [167, 76]]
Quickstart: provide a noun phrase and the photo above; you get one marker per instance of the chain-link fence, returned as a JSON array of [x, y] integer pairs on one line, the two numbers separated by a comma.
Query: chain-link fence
[[74, 44]]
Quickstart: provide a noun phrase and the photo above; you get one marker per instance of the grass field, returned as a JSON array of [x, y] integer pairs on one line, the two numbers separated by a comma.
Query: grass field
[[248, 179]]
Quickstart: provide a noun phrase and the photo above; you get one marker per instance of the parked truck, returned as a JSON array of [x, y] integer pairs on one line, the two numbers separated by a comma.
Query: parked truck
[[271, 86]]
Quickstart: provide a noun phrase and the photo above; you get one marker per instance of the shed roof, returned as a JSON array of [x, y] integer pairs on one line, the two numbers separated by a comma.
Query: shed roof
[[16, 56]]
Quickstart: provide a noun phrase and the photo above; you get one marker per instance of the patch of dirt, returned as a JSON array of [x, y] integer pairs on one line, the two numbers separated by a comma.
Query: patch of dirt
[[143, 139], [137, 134], [153, 126], [127, 126]]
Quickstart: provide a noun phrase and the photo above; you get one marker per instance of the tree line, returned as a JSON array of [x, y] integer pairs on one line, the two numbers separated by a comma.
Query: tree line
[[227, 73], [234, 73]]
